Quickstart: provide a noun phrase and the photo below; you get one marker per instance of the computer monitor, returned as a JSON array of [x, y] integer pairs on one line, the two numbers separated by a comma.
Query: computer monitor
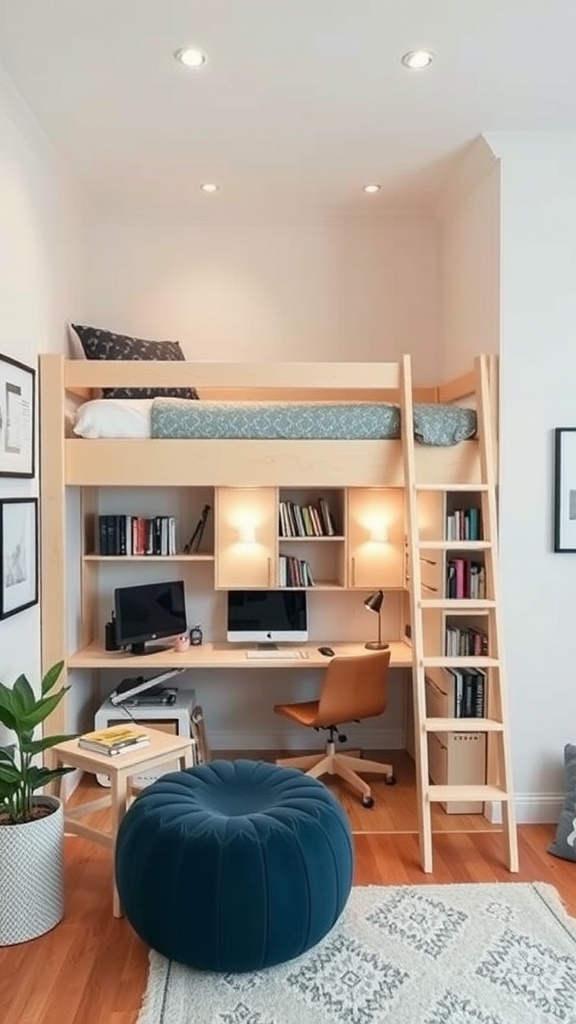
[[148, 613], [267, 616]]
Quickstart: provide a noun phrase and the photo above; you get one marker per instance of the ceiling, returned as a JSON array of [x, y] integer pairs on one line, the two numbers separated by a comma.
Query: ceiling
[[301, 101]]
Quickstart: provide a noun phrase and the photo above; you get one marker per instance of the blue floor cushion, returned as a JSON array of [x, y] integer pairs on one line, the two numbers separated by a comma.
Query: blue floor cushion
[[234, 865]]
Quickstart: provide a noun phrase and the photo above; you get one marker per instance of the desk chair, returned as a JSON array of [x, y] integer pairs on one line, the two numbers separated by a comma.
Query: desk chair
[[353, 689]]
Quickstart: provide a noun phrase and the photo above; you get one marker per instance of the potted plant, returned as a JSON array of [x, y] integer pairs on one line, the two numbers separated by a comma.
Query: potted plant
[[31, 826]]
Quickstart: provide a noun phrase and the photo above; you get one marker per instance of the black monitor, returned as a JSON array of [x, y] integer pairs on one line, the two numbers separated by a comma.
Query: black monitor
[[267, 616], [149, 612]]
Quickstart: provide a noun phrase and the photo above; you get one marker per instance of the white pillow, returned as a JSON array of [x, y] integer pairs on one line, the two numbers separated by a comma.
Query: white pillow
[[74, 344], [114, 417]]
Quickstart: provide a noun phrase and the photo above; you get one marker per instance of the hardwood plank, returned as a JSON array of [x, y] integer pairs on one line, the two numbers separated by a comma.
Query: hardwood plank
[[92, 968]]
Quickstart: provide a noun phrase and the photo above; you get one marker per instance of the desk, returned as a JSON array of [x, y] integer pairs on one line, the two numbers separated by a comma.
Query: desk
[[225, 655]]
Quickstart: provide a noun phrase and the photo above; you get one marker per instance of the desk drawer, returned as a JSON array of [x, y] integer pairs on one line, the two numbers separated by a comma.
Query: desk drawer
[[430, 574]]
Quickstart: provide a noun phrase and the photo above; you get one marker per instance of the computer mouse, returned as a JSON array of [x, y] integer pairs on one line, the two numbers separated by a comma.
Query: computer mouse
[[327, 651]]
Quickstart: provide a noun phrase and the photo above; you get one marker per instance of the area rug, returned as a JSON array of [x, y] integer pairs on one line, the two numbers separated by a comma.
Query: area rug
[[450, 954]]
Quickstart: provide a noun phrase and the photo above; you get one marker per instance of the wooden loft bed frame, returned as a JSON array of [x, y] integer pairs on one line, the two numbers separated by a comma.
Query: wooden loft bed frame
[[320, 463]]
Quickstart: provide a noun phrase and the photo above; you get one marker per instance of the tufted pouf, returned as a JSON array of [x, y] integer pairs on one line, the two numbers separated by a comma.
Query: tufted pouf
[[234, 865]]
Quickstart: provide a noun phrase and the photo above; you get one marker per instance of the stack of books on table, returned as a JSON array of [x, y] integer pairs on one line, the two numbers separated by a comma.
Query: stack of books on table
[[116, 739]]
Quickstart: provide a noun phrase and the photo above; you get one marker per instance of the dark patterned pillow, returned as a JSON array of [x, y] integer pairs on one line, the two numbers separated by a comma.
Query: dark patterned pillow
[[100, 344], [564, 844]]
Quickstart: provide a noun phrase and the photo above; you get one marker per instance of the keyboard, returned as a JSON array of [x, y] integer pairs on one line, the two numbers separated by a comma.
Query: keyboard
[[277, 655]]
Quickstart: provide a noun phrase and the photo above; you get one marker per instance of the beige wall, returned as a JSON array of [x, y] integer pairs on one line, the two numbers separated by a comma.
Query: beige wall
[[348, 290], [470, 263]]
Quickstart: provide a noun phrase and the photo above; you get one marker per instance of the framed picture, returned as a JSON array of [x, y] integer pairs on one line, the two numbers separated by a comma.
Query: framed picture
[[17, 412], [565, 489], [18, 555]]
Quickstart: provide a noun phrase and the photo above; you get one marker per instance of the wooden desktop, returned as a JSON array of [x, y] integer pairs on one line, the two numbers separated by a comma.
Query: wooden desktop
[[226, 655]]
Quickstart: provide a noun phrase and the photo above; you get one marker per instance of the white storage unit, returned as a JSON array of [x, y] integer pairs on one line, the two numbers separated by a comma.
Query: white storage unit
[[173, 718]]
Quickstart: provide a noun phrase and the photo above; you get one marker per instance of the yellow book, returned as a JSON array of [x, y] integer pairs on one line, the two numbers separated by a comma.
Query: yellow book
[[114, 739]]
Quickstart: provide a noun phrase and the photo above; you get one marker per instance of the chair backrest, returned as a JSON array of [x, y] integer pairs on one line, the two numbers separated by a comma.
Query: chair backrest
[[354, 688]]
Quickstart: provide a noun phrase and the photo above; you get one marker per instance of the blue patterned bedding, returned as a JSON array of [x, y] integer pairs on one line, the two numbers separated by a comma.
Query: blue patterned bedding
[[439, 425]]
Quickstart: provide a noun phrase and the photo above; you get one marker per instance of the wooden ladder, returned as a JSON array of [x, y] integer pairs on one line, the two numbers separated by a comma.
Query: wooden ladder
[[429, 618]]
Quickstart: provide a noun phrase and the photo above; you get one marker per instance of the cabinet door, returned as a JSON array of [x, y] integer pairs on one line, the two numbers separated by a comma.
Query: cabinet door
[[246, 537], [375, 523]]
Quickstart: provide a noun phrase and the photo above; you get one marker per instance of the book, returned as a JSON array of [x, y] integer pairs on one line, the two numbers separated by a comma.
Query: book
[[116, 739]]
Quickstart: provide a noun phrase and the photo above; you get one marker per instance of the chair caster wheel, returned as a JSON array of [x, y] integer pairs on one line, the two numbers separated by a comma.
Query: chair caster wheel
[[390, 780], [367, 801]]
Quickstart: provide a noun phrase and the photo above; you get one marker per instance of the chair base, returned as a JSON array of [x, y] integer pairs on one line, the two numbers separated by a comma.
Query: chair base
[[346, 766]]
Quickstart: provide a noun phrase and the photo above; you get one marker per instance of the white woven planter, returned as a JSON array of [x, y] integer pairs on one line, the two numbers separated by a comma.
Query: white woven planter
[[32, 876]]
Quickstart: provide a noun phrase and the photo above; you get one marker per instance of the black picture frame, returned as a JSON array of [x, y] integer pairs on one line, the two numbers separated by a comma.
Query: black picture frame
[[565, 489], [18, 555], [17, 418]]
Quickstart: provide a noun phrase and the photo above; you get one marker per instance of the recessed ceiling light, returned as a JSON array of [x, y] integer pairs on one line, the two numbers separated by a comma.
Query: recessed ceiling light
[[371, 188], [191, 57], [417, 59], [209, 187]]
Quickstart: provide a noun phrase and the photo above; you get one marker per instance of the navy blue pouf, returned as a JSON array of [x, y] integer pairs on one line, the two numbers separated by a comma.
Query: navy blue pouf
[[234, 865]]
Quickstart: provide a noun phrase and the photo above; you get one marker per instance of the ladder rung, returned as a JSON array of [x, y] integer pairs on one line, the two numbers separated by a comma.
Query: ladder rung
[[459, 488], [454, 545], [468, 604], [466, 792], [462, 725], [467, 661]]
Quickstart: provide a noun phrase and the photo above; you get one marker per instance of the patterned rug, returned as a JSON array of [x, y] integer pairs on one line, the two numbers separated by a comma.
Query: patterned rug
[[453, 954]]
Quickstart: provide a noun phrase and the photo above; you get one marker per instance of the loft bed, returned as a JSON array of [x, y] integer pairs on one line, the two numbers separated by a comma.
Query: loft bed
[[368, 460]]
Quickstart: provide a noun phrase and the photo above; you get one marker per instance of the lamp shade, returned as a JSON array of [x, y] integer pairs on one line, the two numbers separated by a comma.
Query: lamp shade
[[374, 603]]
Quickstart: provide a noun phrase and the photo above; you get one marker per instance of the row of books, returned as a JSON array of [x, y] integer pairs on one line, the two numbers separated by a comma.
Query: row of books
[[469, 692], [465, 578], [295, 572], [464, 524], [305, 520], [136, 535], [116, 739], [465, 641]]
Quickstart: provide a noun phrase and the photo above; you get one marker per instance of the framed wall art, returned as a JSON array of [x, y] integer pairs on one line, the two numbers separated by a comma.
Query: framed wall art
[[565, 489], [18, 555], [17, 412]]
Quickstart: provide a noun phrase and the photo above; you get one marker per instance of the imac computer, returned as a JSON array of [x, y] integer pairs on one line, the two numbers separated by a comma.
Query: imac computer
[[267, 616], [148, 613]]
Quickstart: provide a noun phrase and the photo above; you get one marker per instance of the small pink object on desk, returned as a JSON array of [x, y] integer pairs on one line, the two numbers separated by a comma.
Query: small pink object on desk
[[182, 642]]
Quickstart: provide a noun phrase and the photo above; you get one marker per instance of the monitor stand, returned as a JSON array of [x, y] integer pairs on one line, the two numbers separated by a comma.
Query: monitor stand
[[267, 647], [145, 647]]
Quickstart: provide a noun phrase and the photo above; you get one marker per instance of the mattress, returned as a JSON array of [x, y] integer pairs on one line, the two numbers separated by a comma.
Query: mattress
[[437, 425]]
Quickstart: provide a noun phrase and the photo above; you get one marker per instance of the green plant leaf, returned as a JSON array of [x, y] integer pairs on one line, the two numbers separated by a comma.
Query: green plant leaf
[[38, 777], [7, 754], [24, 694], [37, 746], [44, 707], [8, 710], [51, 677], [9, 774]]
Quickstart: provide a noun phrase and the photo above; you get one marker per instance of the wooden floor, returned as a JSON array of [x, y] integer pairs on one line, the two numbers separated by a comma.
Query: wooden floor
[[92, 968]]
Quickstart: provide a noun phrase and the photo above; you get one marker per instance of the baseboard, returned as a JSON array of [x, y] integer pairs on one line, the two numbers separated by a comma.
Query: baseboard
[[303, 739], [531, 809]]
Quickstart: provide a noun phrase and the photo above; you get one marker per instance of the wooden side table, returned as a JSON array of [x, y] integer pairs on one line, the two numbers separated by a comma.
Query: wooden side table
[[162, 749]]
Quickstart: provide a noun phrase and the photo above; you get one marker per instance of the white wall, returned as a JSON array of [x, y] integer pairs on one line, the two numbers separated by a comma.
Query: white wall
[[538, 389], [40, 268], [350, 290]]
